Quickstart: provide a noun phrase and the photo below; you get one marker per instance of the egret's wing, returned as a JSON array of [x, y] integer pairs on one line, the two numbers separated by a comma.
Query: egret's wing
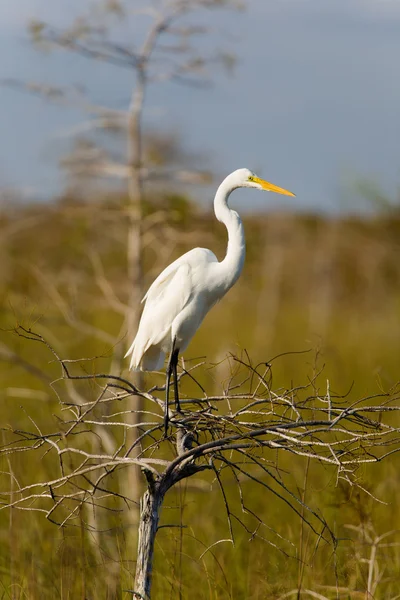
[[161, 282], [165, 299], [164, 302], [192, 259]]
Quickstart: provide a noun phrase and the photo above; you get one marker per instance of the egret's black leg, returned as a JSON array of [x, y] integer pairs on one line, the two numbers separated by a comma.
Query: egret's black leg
[[169, 373], [174, 369], [166, 418]]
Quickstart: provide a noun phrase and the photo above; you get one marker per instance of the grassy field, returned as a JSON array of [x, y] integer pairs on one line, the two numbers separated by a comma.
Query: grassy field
[[324, 291]]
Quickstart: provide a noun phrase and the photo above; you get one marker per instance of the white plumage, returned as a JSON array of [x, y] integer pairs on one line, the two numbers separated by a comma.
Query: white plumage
[[174, 304], [181, 296]]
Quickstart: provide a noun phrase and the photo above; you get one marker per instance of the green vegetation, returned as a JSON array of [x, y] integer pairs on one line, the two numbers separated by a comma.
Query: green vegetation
[[329, 288]]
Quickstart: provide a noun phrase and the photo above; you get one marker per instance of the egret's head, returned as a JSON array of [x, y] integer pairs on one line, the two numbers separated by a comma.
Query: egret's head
[[246, 178]]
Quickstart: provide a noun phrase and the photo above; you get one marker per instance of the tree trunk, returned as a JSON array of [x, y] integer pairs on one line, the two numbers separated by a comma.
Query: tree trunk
[[150, 508], [135, 277]]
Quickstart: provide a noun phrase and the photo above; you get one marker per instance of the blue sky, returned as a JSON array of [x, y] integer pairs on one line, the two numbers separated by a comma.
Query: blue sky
[[313, 103]]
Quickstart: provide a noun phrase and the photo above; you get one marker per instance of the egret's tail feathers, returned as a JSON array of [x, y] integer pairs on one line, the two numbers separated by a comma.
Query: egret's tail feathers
[[145, 359], [130, 349], [153, 359]]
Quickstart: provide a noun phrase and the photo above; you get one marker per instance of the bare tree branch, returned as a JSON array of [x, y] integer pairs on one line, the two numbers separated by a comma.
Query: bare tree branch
[[251, 421]]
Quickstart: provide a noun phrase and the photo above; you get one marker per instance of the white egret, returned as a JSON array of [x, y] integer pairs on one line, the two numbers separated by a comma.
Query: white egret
[[181, 296]]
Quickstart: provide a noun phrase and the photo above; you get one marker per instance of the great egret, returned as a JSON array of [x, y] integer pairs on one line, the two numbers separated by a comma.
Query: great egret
[[181, 296]]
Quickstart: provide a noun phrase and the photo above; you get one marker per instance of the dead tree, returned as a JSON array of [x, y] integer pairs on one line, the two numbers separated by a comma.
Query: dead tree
[[241, 430], [167, 52]]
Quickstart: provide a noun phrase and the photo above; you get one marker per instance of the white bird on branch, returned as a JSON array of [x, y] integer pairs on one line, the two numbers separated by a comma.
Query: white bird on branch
[[181, 296]]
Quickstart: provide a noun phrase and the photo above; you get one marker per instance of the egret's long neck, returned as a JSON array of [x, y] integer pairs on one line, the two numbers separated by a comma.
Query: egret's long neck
[[232, 264]]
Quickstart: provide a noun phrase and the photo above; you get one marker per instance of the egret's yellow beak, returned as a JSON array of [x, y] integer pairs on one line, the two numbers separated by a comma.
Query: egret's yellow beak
[[270, 187]]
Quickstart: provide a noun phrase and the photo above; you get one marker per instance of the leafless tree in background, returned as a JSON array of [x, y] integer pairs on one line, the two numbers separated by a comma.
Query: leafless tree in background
[[167, 51]]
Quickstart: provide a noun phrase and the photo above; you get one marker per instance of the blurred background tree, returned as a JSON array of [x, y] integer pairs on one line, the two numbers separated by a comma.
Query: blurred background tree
[[165, 51]]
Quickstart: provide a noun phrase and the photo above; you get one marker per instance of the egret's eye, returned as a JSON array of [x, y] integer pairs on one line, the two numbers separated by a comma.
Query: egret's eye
[[251, 178]]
